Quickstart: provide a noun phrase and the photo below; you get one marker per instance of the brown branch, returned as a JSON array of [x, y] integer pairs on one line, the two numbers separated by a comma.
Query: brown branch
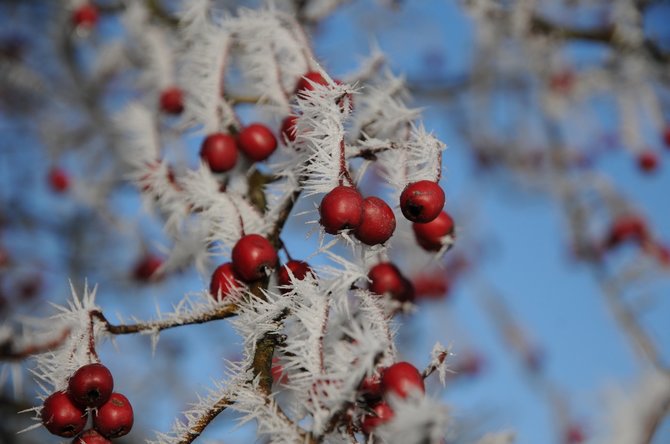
[[222, 312], [7, 352], [204, 420]]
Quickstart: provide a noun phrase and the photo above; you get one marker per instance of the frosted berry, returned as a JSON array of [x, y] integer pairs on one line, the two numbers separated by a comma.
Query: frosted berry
[[59, 181], [257, 142], [385, 278], [430, 235], [340, 209], [288, 129], [371, 386], [115, 417], [224, 280], [91, 385], [85, 16], [647, 161], [422, 201], [378, 222], [172, 100], [91, 436], [307, 81], [625, 228], [381, 413], [402, 378], [61, 416], [300, 269], [219, 151], [252, 256], [147, 267]]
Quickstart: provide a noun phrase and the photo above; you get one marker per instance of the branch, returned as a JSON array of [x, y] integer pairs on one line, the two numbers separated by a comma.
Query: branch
[[7, 352], [204, 421]]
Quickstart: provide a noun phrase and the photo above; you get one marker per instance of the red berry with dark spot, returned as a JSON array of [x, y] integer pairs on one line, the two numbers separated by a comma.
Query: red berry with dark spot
[[147, 267], [91, 385], [422, 201], [85, 16], [381, 413], [647, 161], [402, 378], [219, 151], [340, 209], [300, 269], [288, 128], [224, 280], [430, 235], [253, 255], [386, 279], [307, 81], [257, 142], [115, 417], [172, 100], [59, 181], [61, 416], [378, 222], [91, 436]]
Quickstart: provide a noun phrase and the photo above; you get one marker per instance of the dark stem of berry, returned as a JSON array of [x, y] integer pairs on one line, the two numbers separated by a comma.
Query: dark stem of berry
[[344, 172], [91, 339], [283, 247], [439, 166]]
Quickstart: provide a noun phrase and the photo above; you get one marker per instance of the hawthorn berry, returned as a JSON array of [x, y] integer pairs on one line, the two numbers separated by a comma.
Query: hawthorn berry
[[422, 201], [385, 278], [371, 386], [91, 436], [252, 256], [257, 142], [115, 417], [300, 269], [306, 82], [430, 235], [146, 268], [172, 100], [288, 129], [85, 16], [340, 209], [61, 416], [647, 161], [219, 151], [378, 222], [630, 227], [224, 280], [381, 414], [91, 385], [402, 378], [59, 180], [574, 434]]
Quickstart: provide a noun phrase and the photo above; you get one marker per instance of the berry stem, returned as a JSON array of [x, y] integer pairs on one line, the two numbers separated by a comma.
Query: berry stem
[[344, 172]]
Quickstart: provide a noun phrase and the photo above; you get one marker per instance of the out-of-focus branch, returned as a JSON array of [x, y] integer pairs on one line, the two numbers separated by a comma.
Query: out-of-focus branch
[[9, 353]]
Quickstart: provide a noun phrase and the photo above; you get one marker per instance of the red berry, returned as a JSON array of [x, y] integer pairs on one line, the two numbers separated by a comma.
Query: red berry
[[371, 386], [307, 81], [91, 385], [431, 234], [382, 413], [628, 227], [224, 280], [300, 269], [61, 416], [172, 100], [257, 142], [378, 222], [562, 82], [340, 209], [146, 268], [91, 436], [386, 279], [470, 364], [666, 136], [219, 151], [402, 378], [288, 129], [574, 434], [422, 201], [59, 180], [85, 16], [647, 161], [252, 256], [115, 417]]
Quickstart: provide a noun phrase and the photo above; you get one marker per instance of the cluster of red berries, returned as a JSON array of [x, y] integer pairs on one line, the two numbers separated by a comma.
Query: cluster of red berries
[[422, 203], [400, 379], [219, 150], [89, 392]]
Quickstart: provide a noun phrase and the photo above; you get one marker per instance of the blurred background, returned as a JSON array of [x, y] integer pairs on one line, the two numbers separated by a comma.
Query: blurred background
[[555, 298]]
